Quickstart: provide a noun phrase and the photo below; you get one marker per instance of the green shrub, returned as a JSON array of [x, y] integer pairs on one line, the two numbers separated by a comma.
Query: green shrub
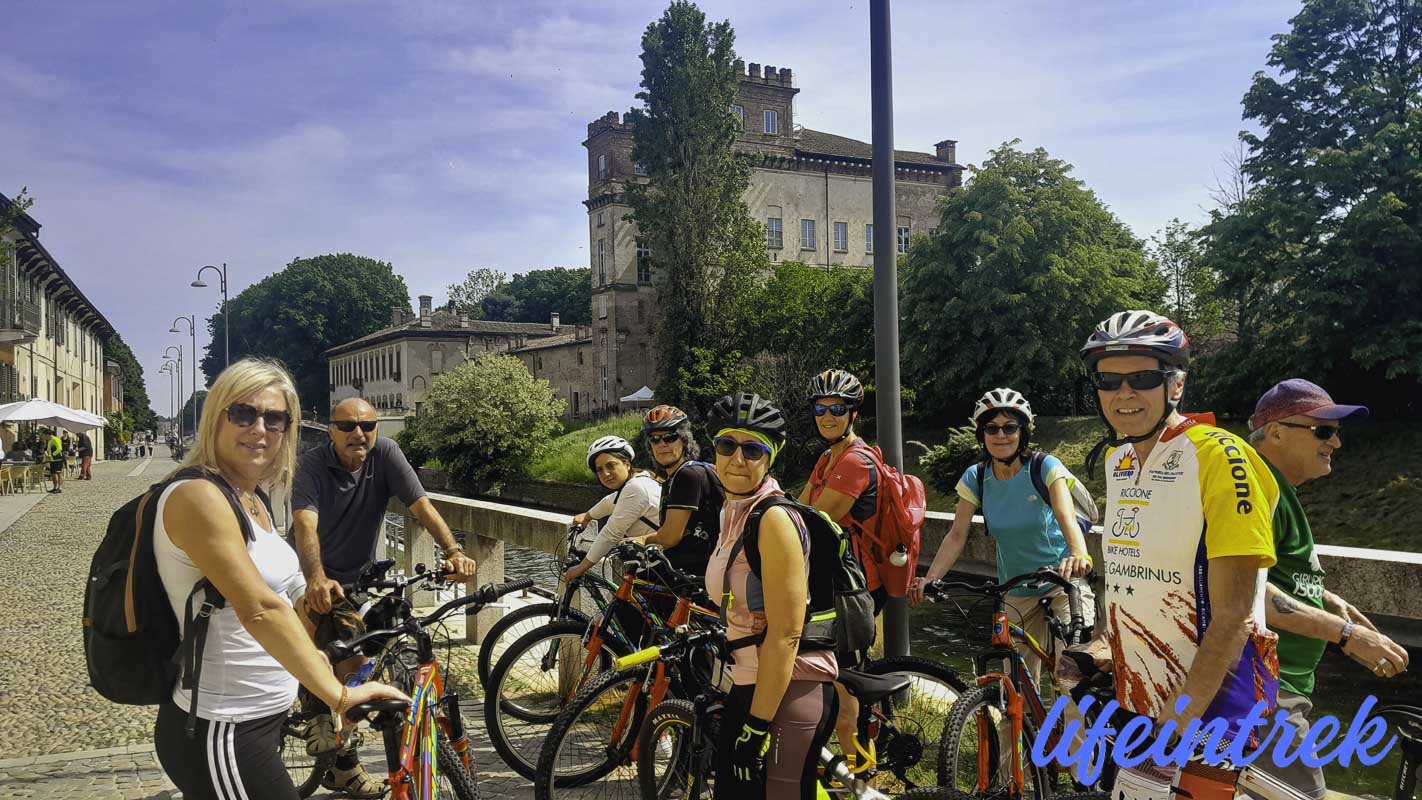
[[485, 421], [943, 465]]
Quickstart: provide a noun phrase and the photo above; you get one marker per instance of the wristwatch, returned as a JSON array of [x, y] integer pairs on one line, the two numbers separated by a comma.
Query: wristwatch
[[1345, 635]]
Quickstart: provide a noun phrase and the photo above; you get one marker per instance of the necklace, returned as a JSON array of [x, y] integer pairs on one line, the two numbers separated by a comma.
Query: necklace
[[252, 504]]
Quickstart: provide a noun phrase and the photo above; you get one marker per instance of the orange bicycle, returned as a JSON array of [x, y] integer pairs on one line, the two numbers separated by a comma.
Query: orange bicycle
[[426, 750]]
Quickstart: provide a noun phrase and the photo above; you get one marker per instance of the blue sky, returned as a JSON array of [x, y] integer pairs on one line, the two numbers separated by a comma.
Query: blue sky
[[441, 135]]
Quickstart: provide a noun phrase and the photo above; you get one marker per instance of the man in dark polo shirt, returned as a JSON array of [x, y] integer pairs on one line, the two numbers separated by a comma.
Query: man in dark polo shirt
[[338, 503]]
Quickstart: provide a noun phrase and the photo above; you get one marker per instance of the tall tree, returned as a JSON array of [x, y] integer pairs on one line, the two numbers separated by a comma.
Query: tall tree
[[1191, 283], [136, 404], [533, 297], [312, 305], [1025, 261], [1325, 256], [690, 211], [477, 285], [201, 397]]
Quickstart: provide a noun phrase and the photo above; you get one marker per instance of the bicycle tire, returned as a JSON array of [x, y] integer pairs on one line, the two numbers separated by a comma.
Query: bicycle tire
[[597, 703], [500, 631], [951, 752], [516, 728], [911, 749], [671, 782], [451, 767], [305, 770]]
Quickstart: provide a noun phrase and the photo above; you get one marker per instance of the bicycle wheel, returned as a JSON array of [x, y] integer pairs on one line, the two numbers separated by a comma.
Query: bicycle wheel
[[531, 684], [455, 781], [908, 744], [397, 666], [669, 760], [976, 745], [588, 751], [305, 770], [513, 625]]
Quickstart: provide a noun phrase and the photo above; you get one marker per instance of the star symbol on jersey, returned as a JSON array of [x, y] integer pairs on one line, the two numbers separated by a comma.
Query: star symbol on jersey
[[1116, 588], [1131, 590]]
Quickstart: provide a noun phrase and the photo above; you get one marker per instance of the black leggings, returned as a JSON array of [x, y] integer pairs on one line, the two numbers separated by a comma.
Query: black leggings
[[802, 725], [223, 760]]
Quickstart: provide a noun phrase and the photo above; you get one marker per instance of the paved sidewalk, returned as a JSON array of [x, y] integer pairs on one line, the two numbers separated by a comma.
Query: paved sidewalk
[[58, 738]]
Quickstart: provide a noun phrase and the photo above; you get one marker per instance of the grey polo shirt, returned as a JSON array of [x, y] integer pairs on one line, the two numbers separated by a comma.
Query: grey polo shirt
[[351, 507]]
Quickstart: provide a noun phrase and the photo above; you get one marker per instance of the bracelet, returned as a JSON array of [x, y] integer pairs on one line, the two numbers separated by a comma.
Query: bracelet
[[451, 551], [1345, 635], [341, 706]]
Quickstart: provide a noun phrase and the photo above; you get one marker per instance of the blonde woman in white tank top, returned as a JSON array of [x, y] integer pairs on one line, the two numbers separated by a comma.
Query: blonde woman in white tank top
[[258, 647]]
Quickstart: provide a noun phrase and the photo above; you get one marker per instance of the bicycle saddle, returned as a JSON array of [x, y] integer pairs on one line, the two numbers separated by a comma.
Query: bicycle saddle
[[1407, 721], [872, 688], [384, 711]]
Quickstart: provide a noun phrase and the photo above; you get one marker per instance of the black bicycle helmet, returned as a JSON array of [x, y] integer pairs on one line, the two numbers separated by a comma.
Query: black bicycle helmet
[[837, 383], [750, 412]]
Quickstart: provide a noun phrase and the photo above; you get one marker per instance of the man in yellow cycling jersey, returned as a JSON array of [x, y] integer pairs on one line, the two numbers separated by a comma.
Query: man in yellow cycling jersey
[[1188, 540]]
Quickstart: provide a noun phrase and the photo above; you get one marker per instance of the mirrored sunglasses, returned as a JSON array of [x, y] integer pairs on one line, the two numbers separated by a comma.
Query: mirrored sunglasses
[[750, 450]]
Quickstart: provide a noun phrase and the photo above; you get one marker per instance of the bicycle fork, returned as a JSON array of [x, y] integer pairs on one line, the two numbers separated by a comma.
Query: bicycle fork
[[454, 728]]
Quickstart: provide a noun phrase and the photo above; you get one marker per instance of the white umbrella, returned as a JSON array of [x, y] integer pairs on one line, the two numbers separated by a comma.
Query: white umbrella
[[50, 413]]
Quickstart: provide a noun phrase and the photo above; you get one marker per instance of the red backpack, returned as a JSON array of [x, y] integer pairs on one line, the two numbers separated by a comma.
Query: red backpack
[[902, 507]]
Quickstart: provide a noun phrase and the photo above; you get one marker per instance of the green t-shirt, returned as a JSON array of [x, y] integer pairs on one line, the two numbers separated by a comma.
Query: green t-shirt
[[56, 447], [1298, 574]]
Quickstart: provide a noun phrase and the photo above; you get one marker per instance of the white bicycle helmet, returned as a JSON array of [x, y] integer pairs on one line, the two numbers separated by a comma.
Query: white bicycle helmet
[[609, 444], [1003, 399]]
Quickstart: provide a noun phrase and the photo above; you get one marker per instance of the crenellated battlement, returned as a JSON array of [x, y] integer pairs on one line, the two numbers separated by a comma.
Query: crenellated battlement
[[783, 76], [609, 121]]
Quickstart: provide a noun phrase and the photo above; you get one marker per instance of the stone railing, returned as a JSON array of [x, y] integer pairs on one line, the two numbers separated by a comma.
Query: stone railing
[[1379, 582]]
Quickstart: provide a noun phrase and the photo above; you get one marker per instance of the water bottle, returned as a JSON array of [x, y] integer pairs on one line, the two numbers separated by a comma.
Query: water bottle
[[899, 557], [362, 673]]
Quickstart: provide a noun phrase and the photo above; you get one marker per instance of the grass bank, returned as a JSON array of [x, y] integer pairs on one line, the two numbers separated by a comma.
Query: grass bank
[[1372, 498]]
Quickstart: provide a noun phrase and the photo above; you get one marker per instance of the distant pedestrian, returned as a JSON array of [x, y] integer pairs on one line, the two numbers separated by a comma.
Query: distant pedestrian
[[86, 456], [56, 462]]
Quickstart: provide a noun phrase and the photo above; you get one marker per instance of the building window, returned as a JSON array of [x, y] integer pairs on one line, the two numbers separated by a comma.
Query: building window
[[774, 233], [869, 238], [903, 239], [540, 362], [807, 234], [602, 307], [639, 169], [601, 167], [841, 236], [772, 122], [580, 358], [644, 263], [436, 361], [600, 221], [739, 112], [601, 262]]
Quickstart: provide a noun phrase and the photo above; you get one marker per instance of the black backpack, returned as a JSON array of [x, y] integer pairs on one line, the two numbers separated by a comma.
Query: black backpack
[[841, 612], [133, 643], [1083, 506]]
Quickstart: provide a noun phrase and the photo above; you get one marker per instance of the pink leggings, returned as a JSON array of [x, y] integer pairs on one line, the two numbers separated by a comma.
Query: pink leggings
[[801, 727]]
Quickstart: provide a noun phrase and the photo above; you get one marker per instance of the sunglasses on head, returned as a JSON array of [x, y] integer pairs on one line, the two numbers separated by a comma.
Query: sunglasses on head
[[751, 450], [838, 409], [1320, 432], [1140, 381], [662, 438], [348, 425], [245, 415], [1009, 429]]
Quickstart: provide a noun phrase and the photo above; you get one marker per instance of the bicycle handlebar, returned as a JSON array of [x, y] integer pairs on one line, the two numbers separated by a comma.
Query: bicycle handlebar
[[1076, 626], [683, 642], [339, 651]]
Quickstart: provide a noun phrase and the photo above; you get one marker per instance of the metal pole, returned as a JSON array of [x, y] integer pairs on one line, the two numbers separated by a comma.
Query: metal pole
[[886, 282], [192, 329], [226, 322]]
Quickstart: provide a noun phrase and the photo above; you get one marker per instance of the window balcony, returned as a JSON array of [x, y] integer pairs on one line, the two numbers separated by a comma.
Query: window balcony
[[19, 321]]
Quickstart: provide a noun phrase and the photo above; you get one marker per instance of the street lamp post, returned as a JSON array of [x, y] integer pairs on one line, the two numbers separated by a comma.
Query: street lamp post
[[226, 320], [170, 368], [192, 330], [179, 417]]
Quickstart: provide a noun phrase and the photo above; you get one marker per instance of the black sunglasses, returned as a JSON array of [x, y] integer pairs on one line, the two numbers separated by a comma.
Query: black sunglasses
[[1140, 381], [750, 450], [1320, 432], [245, 415], [838, 409], [348, 425], [1010, 429], [662, 438]]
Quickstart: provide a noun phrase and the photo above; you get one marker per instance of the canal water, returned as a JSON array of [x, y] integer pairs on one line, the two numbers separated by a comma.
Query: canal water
[[951, 634]]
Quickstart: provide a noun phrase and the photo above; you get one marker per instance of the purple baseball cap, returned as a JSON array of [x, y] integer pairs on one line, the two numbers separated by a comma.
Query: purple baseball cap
[[1298, 396]]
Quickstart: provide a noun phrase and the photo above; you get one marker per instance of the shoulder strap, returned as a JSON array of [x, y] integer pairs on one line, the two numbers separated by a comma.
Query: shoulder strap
[[751, 529], [983, 467], [1039, 481]]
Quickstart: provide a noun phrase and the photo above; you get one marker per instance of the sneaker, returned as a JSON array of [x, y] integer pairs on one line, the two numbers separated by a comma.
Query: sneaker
[[321, 736], [354, 782]]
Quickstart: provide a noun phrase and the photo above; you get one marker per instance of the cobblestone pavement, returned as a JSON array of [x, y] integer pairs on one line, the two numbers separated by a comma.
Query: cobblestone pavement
[[58, 738]]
